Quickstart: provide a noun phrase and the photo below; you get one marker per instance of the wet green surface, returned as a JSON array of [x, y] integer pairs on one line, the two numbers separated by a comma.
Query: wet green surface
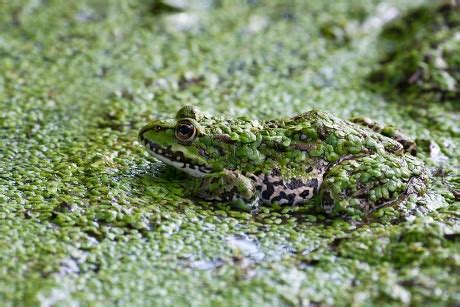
[[422, 54], [87, 217]]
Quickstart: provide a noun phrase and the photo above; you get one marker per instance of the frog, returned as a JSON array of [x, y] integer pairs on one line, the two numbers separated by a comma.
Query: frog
[[347, 168]]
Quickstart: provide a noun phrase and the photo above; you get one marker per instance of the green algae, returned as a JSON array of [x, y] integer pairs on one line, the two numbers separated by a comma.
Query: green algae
[[87, 217]]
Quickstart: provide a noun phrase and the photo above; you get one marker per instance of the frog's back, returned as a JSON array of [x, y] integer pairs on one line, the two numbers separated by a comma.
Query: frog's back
[[362, 128]]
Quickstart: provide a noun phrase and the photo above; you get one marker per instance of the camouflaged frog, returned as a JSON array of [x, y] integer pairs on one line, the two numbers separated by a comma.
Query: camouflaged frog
[[346, 167]]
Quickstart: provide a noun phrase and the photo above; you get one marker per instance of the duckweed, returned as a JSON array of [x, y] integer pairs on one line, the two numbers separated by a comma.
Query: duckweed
[[86, 217]]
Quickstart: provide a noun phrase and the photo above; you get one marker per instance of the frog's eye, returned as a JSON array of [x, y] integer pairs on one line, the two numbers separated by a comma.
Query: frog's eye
[[185, 131]]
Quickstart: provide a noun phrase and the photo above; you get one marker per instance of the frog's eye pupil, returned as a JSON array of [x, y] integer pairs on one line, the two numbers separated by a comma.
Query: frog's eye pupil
[[185, 132], [184, 129]]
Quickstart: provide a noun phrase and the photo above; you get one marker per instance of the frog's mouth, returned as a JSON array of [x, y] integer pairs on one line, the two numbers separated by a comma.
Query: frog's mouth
[[176, 159]]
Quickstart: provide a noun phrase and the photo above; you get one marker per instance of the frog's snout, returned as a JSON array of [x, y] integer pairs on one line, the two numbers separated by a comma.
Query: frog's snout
[[156, 127], [140, 136]]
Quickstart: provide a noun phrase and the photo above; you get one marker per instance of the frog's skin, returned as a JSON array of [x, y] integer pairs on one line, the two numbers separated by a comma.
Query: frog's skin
[[348, 167]]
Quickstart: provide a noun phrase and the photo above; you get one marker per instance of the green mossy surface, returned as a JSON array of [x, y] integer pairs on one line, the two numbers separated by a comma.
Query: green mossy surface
[[86, 217], [422, 54]]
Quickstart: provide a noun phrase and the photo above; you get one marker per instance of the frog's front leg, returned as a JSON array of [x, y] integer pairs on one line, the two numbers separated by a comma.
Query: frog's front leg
[[357, 187], [228, 186]]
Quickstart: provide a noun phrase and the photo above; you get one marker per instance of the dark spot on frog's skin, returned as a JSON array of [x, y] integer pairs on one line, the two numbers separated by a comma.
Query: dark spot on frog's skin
[[269, 189], [283, 196], [276, 172], [305, 194], [308, 169], [224, 196], [295, 184], [224, 138], [313, 184], [258, 173], [291, 199]]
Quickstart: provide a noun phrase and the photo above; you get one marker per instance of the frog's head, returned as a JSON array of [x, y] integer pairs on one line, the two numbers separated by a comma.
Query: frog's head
[[193, 142]]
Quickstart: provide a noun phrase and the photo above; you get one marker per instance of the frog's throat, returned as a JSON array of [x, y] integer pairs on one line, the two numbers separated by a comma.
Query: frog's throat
[[176, 159]]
